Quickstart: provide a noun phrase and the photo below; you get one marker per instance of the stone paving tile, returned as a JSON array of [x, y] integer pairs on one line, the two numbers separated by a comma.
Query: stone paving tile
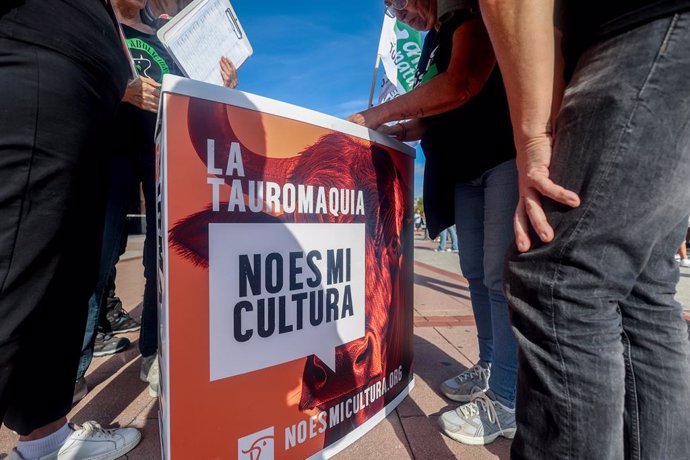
[[434, 365], [130, 282], [464, 339], [430, 299], [424, 336], [435, 361], [429, 443], [445, 321], [119, 400], [426, 439], [103, 367], [424, 253], [387, 439], [149, 447], [423, 400]]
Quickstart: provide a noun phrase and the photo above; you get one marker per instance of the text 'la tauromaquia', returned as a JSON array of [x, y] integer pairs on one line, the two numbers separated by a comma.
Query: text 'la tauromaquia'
[[270, 197]]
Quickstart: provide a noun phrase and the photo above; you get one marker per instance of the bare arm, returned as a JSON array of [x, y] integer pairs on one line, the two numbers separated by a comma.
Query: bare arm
[[471, 63], [522, 34]]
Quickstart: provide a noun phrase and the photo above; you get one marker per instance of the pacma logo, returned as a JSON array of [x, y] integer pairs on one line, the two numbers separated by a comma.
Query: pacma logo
[[256, 446]]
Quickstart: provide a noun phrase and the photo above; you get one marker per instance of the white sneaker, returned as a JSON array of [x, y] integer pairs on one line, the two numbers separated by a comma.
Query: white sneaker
[[479, 422], [146, 362], [685, 263], [91, 442], [150, 373], [676, 258]]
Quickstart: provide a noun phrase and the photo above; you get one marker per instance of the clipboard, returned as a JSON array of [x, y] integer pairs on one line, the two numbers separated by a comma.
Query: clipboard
[[200, 34]]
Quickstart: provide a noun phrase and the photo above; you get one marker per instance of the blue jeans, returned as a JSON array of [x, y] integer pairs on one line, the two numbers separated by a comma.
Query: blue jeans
[[148, 335], [604, 353], [122, 183], [444, 236], [125, 175], [484, 211]]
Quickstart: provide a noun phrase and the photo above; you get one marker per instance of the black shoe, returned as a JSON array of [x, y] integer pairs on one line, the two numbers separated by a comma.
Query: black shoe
[[80, 390], [107, 344], [119, 319]]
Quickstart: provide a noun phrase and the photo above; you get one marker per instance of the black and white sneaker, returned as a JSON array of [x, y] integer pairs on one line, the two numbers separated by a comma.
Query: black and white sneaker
[[120, 321], [80, 390], [108, 344]]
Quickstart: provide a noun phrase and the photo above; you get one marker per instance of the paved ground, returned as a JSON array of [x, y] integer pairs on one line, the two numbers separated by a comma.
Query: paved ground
[[445, 345]]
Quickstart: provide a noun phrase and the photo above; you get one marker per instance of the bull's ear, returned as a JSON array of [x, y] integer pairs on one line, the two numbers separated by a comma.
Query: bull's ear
[[209, 120], [189, 236]]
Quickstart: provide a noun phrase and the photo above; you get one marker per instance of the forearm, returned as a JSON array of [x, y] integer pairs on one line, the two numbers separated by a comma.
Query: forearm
[[470, 66], [558, 80], [522, 35], [440, 94]]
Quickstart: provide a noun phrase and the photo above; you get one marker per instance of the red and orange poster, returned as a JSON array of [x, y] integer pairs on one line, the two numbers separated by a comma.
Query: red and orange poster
[[286, 277]]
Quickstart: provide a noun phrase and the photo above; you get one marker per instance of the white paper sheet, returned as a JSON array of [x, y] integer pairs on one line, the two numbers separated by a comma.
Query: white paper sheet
[[200, 34]]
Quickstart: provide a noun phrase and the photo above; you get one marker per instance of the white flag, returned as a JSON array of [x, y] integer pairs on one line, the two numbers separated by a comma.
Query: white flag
[[400, 48]]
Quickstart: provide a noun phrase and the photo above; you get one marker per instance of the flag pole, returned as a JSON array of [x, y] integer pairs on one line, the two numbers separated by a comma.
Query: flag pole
[[373, 80]]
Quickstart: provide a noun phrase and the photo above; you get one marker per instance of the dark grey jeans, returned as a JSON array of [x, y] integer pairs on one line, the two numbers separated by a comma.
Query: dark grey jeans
[[604, 365]]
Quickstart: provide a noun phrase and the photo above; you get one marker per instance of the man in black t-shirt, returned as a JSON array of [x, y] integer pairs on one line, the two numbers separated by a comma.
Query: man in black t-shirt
[[604, 367]]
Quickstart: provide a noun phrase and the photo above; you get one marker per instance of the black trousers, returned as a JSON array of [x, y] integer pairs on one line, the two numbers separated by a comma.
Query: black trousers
[[54, 116]]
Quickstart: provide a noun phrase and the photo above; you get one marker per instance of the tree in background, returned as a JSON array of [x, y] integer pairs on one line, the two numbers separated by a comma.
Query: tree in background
[[419, 204]]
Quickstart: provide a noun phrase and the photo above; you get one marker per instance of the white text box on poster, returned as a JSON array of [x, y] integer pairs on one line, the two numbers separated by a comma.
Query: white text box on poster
[[280, 292]]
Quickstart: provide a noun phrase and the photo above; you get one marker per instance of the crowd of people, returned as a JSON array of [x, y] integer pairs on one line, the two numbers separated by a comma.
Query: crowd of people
[[557, 142], [64, 211]]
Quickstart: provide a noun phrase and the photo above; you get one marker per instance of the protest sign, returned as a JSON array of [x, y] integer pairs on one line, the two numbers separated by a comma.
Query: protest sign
[[285, 257]]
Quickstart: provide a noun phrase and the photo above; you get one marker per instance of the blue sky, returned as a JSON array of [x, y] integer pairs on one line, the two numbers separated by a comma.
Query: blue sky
[[315, 54]]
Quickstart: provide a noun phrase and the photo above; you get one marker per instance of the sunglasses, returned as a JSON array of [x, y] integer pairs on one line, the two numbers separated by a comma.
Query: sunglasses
[[393, 6]]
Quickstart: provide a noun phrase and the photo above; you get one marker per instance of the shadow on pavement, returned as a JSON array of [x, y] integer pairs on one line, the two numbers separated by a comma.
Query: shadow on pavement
[[114, 398], [438, 285]]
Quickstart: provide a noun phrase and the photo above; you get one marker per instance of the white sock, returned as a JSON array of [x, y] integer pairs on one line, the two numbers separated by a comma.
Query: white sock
[[44, 446]]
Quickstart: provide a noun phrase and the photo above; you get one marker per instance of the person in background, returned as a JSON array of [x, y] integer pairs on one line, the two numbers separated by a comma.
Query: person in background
[[62, 74], [459, 109], [417, 220], [443, 237], [604, 353], [682, 255], [425, 227], [133, 163]]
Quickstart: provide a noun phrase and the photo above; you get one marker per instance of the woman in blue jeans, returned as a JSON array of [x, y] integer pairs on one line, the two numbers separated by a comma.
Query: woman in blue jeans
[[460, 111]]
